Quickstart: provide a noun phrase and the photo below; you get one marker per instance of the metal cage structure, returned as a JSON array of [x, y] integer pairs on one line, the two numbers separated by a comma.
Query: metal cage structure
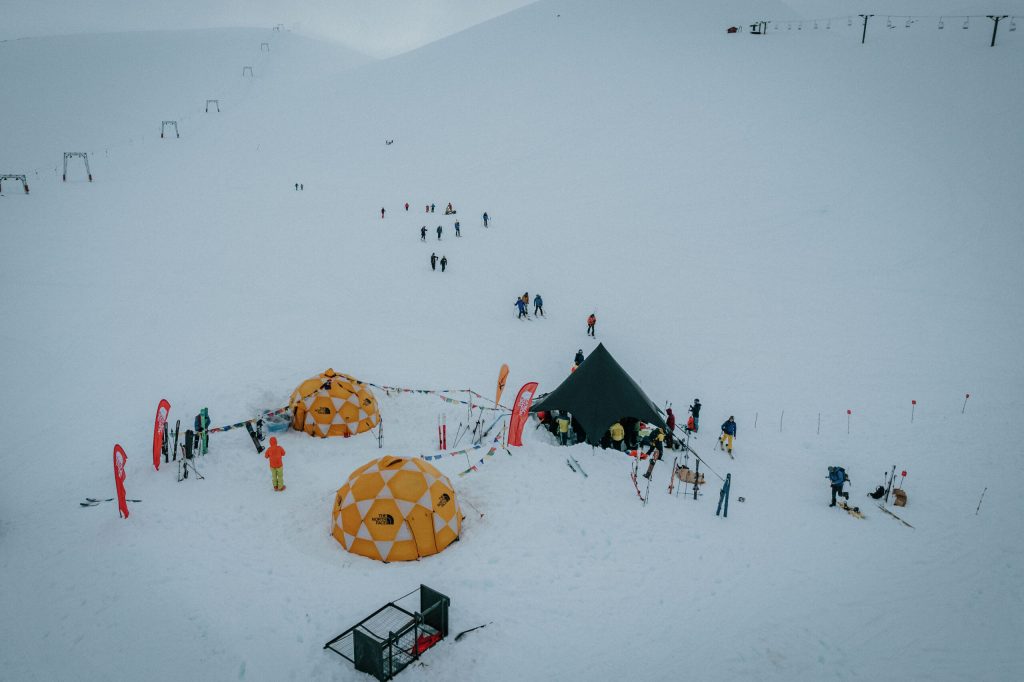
[[392, 637], [84, 156], [14, 176], [169, 124]]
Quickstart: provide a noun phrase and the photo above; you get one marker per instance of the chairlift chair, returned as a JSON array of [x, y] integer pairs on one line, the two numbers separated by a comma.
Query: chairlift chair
[[967, 21], [941, 25]]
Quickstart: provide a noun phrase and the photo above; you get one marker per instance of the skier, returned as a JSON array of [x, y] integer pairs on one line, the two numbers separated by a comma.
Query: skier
[[423, 233], [407, 207], [522, 308], [618, 434], [728, 433], [579, 357], [457, 232], [382, 213], [695, 411], [486, 218], [439, 233], [538, 305], [563, 428], [433, 261], [591, 322], [427, 208], [444, 263], [837, 477], [296, 187], [657, 438], [431, 208], [274, 454]]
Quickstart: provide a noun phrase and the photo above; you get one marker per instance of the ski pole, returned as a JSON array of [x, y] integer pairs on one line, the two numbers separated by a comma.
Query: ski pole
[[966, 396], [979, 501]]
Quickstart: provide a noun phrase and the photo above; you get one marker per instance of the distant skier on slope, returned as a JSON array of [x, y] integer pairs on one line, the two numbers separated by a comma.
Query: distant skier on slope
[[444, 263], [382, 213], [522, 308], [438, 233], [423, 233], [538, 306], [486, 218], [458, 232], [837, 477], [407, 206], [728, 433], [591, 323], [433, 261]]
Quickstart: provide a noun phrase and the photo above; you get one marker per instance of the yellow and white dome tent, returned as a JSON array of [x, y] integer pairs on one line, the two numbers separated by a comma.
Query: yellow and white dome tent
[[396, 509], [332, 404]]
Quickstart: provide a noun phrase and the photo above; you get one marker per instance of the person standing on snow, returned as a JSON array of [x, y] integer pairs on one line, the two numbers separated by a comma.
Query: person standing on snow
[[458, 233], [579, 357], [444, 263], [274, 454], [407, 207], [431, 208], [433, 261], [522, 308], [382, 213], [438, 233], [671, 423], [423, 233], [591, 323], [486, 218], [837, 477], [695, 411], [538, 305], [728, 433], [657, 438], [618, 434], [563, 428]]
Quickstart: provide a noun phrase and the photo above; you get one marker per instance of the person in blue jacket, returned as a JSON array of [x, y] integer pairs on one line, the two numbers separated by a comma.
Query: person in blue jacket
[[521, 304], [837, 477], [486, 218], [538, 305], [728, 433]]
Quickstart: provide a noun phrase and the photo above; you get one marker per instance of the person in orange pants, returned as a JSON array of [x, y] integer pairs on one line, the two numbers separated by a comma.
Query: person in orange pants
[[274, 454]]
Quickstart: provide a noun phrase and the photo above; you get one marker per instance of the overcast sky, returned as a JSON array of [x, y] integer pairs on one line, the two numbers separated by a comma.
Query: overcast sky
[[376, 27]]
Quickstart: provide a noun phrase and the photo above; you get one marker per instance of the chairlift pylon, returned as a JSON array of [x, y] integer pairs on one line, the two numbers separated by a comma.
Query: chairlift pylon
[[941, 25], [967, 21]]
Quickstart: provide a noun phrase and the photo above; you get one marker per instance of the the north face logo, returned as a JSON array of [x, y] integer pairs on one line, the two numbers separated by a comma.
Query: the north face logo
[[323, 410], [443, 500], [384, 520]]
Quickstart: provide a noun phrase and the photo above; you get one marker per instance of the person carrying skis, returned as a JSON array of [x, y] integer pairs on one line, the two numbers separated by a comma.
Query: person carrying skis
[[563, 428], [433, 261], [837, 477], [695, 411], [579, 357], [444, 263], [438, 233], [274, 454], [522, 308], [591, 323], [618, 434], [423, 233], [458, 233], [728, 433], [486, 218], [538, 305]]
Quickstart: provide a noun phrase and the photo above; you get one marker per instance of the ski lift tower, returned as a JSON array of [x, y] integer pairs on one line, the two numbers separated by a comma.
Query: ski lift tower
[[166, 124], [12, 176], [81, 155]]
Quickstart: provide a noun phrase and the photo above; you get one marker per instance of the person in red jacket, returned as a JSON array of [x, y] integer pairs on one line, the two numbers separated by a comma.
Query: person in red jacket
[[274, 454], [591, 323], [671, 423]]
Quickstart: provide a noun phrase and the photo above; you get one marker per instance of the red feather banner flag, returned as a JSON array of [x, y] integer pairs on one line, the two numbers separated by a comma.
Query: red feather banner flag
[[502, 378], [520, 411], [119, 460], [162, 410]]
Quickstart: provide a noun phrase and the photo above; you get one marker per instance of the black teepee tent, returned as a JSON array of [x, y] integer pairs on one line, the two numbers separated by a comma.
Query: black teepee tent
[[599, 393]]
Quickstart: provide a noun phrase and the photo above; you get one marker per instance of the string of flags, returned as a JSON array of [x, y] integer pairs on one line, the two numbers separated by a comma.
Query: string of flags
[[388, 390], [490, 453]]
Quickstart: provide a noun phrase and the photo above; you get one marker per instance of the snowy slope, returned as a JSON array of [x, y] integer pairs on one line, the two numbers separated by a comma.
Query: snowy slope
[[792, 223]]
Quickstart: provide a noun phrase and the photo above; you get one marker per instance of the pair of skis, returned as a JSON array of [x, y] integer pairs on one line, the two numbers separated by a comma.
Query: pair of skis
[[93, 501], [575, 466]]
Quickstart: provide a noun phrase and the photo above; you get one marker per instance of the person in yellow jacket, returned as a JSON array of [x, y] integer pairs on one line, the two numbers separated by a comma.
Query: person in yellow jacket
[[563, 428], [618, 433]]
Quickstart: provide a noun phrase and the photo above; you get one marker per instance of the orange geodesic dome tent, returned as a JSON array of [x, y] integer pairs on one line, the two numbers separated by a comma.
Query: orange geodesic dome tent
[[332, 404], [396, 509]]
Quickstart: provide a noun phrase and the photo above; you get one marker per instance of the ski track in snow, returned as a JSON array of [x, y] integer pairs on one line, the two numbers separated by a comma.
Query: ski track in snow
[[787, 223]]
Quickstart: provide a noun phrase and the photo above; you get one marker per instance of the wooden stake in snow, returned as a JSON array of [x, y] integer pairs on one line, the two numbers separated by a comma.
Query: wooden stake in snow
[[966, 396], [979, 501], [913, 406], [780, 420], [819, 423], [848, 413], [755, 420]]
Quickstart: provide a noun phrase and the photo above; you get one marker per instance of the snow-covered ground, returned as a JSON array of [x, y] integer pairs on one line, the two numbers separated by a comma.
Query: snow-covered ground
[[785, 226]]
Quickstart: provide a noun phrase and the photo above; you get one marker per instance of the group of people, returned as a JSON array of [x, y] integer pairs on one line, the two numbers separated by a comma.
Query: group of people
[[523, 303], [434, 262]]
